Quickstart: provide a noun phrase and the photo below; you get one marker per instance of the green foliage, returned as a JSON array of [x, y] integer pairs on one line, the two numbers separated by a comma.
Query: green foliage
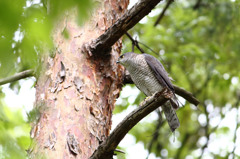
[[25, 30], [57, 7], [10, 17], [14, 138], [33, 115]]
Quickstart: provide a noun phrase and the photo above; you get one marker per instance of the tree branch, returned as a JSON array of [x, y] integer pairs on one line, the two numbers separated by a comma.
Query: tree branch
[[106, 149], [17, 76], [179, 91], [104, 42], [163, 12], [186, 95]]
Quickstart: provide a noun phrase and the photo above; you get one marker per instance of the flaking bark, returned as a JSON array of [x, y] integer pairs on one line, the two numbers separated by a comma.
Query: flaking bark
[[76, 93]]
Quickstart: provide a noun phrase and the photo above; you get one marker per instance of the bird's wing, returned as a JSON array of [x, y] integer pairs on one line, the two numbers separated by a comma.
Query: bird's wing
[[158, 70], [162, 76]]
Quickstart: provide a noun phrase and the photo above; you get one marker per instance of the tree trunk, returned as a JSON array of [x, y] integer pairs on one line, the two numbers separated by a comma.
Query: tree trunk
[[76, 92]]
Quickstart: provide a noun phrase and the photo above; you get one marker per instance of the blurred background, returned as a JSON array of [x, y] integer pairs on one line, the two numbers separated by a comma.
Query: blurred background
[[197, 41]]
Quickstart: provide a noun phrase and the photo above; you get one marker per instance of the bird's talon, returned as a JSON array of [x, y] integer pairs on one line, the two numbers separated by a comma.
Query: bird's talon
[[145, 99]]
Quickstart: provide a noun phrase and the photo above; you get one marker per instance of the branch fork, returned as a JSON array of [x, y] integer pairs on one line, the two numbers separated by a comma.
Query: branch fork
[[106, 148]]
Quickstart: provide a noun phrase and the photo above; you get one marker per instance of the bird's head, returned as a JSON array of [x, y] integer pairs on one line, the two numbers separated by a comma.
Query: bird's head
[[126, 59]]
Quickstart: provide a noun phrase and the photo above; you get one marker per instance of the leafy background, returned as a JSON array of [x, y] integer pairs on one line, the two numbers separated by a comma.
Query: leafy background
[[199, 47]]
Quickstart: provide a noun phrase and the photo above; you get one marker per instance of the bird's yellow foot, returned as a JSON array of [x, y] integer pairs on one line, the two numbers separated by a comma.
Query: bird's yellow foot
[[145, 99]]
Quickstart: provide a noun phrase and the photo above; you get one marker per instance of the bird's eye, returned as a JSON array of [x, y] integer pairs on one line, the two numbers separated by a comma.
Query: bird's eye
[[122, 56]]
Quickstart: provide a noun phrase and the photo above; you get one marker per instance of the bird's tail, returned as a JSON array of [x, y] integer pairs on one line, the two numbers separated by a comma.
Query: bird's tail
[[171, 116], [174, 102]]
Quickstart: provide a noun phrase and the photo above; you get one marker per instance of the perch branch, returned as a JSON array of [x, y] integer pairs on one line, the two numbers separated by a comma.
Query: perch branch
[[106, 149], [179, 91], [163, 12], [104, 42], [17, 76]]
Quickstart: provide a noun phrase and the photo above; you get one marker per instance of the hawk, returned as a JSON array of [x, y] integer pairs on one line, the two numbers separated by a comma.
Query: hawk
[[150, 77]]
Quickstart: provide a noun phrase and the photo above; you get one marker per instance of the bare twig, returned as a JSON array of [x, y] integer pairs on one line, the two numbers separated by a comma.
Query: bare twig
[[135, 43], [149, 48], [206, 127], [156, 134], [106, 149], [237, 126], [104, 42], [183, 143], [163, 12], [17, 76], [179, 91]]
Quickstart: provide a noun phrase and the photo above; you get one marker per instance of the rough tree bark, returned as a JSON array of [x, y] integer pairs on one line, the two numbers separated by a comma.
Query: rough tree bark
[[75, 92]]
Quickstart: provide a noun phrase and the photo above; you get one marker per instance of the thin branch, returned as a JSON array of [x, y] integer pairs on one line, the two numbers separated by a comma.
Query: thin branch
[[156, 134], [237, 126], [163, 12], [104, 42], [135, 43], [106, 149], [183, 143], [17, 76], [206, 127], [207, 133], [178, 90], [149, 48]]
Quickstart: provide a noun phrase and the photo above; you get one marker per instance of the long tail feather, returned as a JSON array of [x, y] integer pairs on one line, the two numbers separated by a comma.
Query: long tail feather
[[171, 116]]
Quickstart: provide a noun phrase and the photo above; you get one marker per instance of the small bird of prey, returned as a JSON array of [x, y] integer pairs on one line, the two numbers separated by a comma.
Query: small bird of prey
[[150, 77]]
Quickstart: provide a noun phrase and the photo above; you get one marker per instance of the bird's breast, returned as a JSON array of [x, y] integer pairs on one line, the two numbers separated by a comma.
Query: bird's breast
[[144, 78]]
